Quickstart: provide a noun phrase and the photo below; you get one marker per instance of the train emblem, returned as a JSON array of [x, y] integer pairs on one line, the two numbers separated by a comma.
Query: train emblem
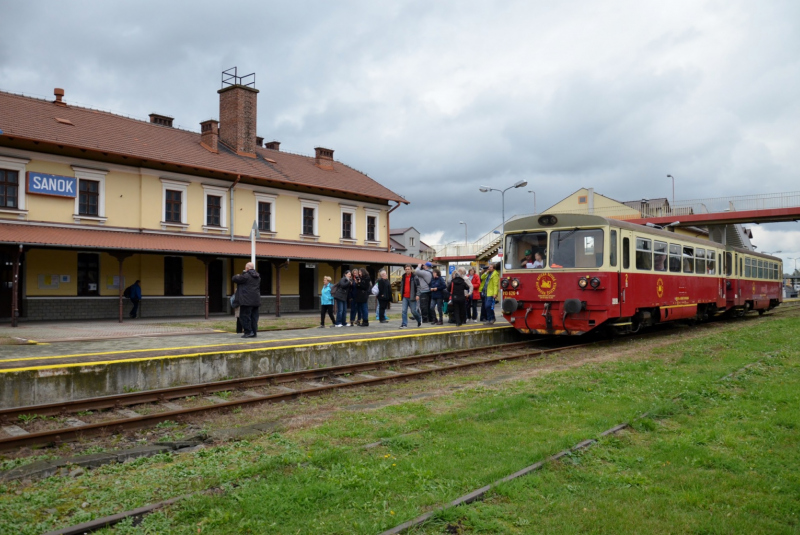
[[545, 284], [660, 288]]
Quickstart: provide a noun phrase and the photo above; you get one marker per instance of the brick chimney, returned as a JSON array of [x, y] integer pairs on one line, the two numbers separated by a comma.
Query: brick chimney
[[237, 118], [209, 134], [59, 93], [259, 141], [163, 120], [324, 158], [274, 145]]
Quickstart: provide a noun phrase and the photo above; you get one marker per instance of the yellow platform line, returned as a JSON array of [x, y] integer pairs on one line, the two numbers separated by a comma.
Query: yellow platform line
[[97, 354], [233, 351]]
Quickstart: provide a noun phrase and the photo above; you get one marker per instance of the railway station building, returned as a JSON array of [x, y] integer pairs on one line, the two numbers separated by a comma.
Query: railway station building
[[91, 201]]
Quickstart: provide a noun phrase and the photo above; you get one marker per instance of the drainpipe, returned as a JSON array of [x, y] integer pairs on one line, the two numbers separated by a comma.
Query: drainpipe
[[389, 228], [238, 178]]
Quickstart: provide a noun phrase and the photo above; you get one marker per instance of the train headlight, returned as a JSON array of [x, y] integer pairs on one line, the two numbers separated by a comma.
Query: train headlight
[[582, 282], [515, 283], [595, 282], [504, 283]]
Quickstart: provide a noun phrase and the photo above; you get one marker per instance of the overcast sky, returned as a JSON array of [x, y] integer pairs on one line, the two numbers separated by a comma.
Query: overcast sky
[[433, 99]]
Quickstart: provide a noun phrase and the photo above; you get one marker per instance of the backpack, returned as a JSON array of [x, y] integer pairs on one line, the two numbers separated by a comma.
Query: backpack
[[334, 289], [127, 292]]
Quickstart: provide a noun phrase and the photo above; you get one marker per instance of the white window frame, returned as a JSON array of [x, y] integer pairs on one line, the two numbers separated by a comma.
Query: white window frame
[[214, 191], [95, 175], [272, 200], [175, 185], [348, 209], [377, 215], [306, 203], [18, 165], [411, 241]]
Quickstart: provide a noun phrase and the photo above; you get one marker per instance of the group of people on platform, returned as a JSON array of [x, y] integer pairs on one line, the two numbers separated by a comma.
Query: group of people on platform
[[423, 292]]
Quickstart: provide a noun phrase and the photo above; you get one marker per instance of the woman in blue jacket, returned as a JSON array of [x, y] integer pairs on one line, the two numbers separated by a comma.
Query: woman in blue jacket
[[326, 302]]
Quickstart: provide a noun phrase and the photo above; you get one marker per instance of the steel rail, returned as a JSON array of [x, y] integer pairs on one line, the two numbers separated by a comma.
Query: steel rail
[[73, 433]]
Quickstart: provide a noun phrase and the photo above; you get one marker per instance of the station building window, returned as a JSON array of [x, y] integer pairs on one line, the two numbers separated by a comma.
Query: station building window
[[173, 275], [265, 212], [215, 207], [371, 225], [88, 197], [174, 200], [9, 188], [644, 254], [308, 217], [213, 210], [264, 268], [91, 196]]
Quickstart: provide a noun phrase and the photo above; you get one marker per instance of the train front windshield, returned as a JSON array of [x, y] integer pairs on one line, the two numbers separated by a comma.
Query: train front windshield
[[576, 248]]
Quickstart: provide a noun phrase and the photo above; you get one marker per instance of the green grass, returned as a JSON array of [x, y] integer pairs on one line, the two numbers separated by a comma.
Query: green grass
[[722, 447]]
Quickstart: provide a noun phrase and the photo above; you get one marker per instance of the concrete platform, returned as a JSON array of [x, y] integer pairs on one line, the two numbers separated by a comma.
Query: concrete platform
[[35, 374]]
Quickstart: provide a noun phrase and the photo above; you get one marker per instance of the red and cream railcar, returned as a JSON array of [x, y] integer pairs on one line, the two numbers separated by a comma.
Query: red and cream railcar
[[570, 274]]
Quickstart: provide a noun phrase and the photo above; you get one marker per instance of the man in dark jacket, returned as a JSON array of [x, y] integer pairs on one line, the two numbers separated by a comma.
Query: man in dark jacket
[[249, 293], [410, 297], [135, 295], [363, 291], [340, 298]]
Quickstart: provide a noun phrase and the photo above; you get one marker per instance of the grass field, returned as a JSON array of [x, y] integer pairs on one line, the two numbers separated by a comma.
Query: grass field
[[714, 455]]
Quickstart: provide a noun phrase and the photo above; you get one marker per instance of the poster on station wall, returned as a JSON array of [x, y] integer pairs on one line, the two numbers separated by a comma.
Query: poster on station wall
[[57, 185]]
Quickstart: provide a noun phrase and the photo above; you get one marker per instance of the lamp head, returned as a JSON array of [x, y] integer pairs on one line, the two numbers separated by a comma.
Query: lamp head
[[483, 189], [521, 184], [670, 176]]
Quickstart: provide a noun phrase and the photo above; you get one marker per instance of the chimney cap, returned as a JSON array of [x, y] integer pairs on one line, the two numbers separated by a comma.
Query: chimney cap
[[323, 153], [163, 120], [59, 93], [274, 145]]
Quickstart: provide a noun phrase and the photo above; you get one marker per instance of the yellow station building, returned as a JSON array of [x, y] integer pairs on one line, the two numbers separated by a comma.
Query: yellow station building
[[91, 201]]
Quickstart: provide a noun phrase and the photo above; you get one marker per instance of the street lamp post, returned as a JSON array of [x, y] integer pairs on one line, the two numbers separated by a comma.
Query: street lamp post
[[487, 189], [673, 189], [465, 232], [534, 200]]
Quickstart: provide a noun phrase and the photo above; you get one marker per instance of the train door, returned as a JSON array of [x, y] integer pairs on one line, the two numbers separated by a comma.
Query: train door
[[627, 304], [730, 280], [615, 265]]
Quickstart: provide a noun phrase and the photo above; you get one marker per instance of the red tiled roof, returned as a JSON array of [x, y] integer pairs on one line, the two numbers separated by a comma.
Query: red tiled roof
[[32, 119], [76, 238]]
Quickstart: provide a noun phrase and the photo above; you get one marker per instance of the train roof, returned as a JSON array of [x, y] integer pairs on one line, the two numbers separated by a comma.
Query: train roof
[[586, 220]]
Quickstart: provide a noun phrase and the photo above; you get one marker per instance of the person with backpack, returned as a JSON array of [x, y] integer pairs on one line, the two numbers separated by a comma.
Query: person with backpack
[[491, 291], [326, 302], [458, 297], [438, 288], [362, 292], [339, 292], [134, 293]]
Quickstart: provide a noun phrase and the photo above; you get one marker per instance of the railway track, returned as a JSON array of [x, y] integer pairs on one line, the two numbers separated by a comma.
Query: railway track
[[112, 414]]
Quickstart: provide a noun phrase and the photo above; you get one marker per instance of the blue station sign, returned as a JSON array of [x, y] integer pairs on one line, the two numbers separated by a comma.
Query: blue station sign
[[60, 186]]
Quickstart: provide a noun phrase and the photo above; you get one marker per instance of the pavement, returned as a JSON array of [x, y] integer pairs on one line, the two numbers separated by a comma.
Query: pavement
[[101, 342]]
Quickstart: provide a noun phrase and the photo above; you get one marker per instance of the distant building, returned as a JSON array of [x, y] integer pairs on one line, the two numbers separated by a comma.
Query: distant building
[[587, 201]]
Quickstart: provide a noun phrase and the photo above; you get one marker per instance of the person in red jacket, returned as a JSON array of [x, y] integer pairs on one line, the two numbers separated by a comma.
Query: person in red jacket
[[475, 298]]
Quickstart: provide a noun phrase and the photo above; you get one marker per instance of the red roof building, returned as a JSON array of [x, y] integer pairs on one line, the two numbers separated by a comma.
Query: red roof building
[[91, 201]]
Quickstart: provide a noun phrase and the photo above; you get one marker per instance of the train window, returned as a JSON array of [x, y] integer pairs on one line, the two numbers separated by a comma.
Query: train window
[[711, 263], [760, 269], [659, 256], [626, 253], [728, 264], [739, 273], [576, 248], [674, 258], [700, 261], [747, 267], [522, 249], [644, 254], [612, 253], [688, 259]]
